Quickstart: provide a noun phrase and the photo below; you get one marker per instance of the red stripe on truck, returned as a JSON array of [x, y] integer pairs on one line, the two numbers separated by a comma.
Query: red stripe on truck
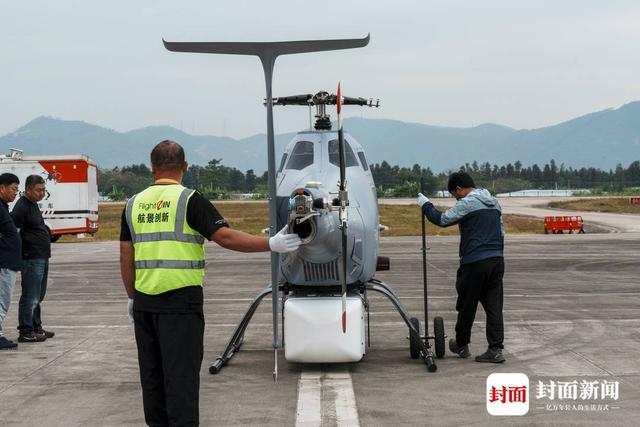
[[66, 171]]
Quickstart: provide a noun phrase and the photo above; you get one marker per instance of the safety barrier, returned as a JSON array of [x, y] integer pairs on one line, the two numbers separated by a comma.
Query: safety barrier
[[560, 224]]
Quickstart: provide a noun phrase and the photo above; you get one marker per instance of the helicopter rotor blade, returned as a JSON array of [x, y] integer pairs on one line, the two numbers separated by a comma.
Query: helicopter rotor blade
[[344, 278], [305, 99], [343, 197]]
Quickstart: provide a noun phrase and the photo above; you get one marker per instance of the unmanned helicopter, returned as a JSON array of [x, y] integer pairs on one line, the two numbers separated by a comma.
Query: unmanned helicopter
[[324, 191]]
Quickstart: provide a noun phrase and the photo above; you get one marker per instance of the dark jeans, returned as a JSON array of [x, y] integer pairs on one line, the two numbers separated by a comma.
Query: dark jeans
[[34, 287], [480, 281], [170, 350]]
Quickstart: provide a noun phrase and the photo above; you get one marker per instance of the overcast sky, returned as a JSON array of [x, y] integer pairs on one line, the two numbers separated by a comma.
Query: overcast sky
[[523, 64]]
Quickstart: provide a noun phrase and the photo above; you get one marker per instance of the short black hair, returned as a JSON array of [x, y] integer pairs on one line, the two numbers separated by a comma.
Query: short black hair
[[33, 180], [8, 179], [459, 179], [167, 155]]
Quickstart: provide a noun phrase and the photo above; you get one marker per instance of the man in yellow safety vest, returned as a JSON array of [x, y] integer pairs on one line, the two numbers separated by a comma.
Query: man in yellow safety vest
[[162, 263]]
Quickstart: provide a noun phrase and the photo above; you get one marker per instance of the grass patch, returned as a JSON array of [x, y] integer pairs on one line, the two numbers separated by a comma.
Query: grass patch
[[519, 224], [251, 217], [609, 204], [246, 216], [404, 220], [109, 220]]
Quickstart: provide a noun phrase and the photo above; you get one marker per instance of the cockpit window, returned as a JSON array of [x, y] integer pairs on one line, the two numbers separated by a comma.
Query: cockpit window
[[334, 156], [282, 162], [363, 160], [301, 156]]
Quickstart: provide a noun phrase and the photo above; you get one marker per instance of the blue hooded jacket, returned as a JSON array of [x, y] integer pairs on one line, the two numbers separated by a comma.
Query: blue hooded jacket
[[479, 218]]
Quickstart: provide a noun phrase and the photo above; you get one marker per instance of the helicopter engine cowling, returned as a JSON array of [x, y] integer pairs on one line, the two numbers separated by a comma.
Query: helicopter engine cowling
[[305, 205], [314, 217]]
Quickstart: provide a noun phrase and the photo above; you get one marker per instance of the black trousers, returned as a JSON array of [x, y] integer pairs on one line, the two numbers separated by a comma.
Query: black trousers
[[170, 350], [480, 281]]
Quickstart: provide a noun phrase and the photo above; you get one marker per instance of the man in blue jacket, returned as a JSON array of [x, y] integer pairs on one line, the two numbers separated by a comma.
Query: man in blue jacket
[[479, 277]]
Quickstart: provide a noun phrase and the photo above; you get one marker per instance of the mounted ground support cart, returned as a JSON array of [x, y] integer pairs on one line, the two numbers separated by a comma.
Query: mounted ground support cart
[[560, 224]]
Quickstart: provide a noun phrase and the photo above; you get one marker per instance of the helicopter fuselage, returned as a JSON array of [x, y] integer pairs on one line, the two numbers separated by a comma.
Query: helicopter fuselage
[[307, 191]]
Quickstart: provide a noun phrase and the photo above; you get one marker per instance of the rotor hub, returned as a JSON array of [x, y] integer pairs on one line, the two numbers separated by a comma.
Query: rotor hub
[[320, 100]]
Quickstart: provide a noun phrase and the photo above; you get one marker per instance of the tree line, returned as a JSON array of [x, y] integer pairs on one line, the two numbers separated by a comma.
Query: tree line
[[217, 181], [214, 181], [512, 177]]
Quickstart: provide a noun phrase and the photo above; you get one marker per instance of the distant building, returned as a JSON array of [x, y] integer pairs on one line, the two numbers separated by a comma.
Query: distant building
[[545, 193], [241, 196]]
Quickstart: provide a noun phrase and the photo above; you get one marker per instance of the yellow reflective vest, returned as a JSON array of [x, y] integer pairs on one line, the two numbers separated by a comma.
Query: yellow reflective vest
[[168, 254]]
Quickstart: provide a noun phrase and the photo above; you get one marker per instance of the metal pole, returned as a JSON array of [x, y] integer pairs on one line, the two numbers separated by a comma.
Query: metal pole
[[268, 60], [424, 264]]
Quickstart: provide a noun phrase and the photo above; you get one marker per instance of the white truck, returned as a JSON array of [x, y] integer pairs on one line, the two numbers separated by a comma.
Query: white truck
[[70, 205]]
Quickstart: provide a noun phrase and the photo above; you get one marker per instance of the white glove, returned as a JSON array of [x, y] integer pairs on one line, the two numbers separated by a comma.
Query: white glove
[[130, 309], [283, 242], [422, 199]]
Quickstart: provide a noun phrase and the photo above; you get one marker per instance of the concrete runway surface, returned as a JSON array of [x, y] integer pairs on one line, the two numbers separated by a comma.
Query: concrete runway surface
[[572, 312]]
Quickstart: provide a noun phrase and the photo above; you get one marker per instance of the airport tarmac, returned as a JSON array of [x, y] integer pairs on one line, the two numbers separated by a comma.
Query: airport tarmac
[[572, 313]]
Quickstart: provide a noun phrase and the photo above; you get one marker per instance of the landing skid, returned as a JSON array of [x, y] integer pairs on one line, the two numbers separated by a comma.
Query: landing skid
[[238, 336], [425, 352], [375, 285]]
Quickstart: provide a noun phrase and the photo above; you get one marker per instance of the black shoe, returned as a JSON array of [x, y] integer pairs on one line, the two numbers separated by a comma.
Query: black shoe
[[6, 344], [32, 337], [491, 356], [48, 334], [460, 351]]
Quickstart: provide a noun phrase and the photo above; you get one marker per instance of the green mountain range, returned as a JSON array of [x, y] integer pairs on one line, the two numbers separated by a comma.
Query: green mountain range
[[602, 139]]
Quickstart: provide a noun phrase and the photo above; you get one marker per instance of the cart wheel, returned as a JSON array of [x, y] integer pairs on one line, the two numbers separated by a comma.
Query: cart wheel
[[414, 350], [55, 237], [546, 231], [438, 331]]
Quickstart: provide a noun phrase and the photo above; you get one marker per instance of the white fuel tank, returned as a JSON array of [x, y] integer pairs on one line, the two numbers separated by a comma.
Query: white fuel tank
[[313, 330]]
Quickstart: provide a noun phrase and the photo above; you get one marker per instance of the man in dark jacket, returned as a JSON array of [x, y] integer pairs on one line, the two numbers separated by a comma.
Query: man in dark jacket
[[479, 277], [10, 251], [36, 251]]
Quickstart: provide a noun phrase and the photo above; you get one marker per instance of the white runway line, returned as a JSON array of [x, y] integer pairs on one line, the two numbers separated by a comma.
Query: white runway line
[[326, 398], [436, 268], [345, 399], [309, 407]]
